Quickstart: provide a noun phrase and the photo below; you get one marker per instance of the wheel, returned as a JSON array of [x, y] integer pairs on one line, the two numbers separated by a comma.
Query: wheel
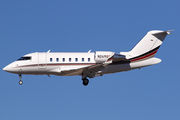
[[85, 82], [20, 82]]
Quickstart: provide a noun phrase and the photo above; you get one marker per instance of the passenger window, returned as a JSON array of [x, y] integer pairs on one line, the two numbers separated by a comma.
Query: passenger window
[[76, 59], [63, 59], [50, 59], [82, 59], [57, 59], [89, 59], [69, 59]]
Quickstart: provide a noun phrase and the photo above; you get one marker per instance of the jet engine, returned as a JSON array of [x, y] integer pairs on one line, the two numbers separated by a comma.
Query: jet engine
[[103, 56]]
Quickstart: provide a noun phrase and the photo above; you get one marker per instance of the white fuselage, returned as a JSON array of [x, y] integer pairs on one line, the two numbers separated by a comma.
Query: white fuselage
[[54, 63]]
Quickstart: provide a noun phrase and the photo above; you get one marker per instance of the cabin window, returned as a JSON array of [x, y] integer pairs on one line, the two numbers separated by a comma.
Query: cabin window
[[82, 59], [63, 59], [76, 59], [50, 59], [69, 59], [89, 59], [57, 59]]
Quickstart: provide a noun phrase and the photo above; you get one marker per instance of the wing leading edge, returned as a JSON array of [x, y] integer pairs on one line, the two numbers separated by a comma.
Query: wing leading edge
[[89, 71]]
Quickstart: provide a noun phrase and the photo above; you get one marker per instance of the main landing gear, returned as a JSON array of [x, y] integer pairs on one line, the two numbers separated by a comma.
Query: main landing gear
[[85, 81], [20, 81]]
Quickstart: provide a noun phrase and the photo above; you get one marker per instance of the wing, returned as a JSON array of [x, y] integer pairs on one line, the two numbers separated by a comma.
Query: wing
[[89, 71], [93, 70]]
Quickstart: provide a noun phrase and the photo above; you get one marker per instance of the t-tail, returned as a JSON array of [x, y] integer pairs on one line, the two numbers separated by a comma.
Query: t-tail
[[147, 47]]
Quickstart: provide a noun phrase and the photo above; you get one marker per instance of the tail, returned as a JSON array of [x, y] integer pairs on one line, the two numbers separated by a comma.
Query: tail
[[148, 46]]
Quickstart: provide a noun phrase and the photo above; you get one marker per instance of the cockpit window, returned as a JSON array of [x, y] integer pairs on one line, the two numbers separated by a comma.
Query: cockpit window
[[25, 58]]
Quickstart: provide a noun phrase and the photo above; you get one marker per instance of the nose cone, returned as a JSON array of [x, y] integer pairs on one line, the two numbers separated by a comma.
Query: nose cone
[[10, 68], [5, 68]]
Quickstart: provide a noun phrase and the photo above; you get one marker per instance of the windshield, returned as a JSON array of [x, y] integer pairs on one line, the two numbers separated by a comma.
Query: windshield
[[25, 58]]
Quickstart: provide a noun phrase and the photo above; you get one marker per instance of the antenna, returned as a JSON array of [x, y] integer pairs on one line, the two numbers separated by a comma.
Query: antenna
[[48, 51], [89, 51]]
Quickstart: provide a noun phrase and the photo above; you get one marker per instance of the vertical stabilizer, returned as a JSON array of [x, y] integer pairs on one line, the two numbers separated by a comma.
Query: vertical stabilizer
[[148, 45]]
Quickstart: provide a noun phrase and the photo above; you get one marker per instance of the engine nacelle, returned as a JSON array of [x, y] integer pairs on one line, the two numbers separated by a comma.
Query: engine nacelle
[[103, 56]]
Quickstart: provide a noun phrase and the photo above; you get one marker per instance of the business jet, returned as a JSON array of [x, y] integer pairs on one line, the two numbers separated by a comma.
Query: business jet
[[90, 64]]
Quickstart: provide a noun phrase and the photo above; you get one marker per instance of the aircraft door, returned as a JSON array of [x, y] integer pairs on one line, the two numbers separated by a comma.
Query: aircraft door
[[42, 60]]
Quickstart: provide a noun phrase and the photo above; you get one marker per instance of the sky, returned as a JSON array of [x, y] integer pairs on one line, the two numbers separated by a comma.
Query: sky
[[151, 93]]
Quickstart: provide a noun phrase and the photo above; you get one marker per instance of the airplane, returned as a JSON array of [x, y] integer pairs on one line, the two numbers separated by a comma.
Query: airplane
[[90, 64]]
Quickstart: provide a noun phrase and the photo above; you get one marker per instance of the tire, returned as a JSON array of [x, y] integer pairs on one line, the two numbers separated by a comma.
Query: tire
[[20, 82], [85, 82]]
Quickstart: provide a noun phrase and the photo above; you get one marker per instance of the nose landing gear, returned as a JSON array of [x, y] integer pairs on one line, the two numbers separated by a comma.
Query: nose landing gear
[[20, 81]]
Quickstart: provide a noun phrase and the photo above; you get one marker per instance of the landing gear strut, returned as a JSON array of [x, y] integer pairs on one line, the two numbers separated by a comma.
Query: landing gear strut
[[85, 81], [20, 81]]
